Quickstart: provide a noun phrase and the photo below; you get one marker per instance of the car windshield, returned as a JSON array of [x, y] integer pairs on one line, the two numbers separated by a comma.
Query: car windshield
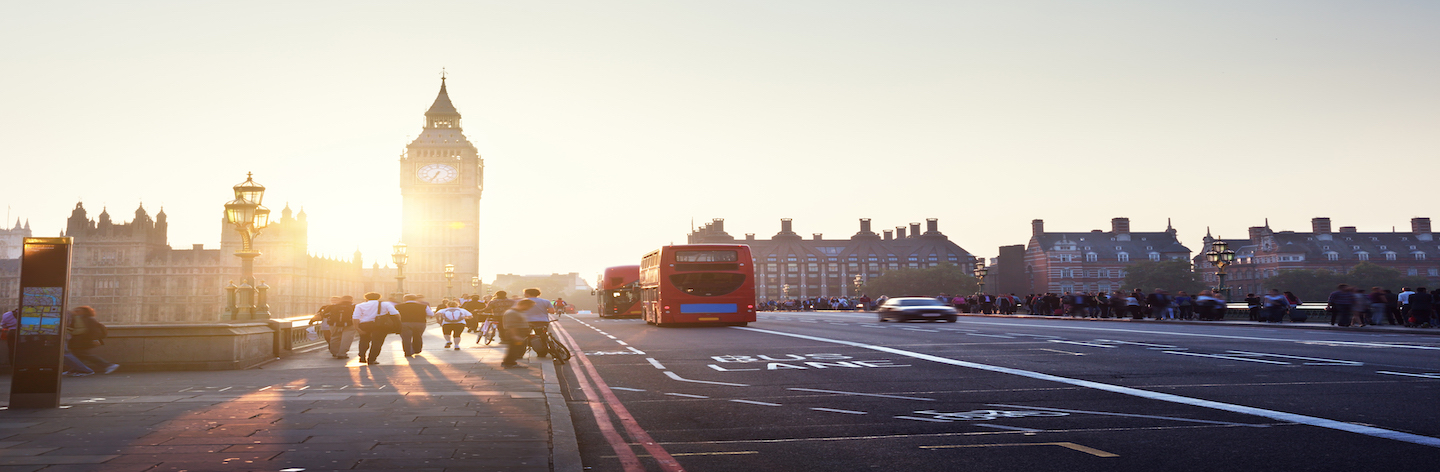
[[919, 302]]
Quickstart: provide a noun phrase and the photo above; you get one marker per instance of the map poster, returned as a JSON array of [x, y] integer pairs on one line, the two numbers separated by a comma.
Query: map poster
[[41, 311]]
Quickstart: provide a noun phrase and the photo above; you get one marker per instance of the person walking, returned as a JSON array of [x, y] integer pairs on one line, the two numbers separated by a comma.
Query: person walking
[[477, 314], [1275, 305], [86, 334], [340, 316], [539, 317], [1340, 304], [452, 322], [413, 316], [372, 327], [9, 329], [1377, 306], [496, 311], [516, 331], [1422, 304]]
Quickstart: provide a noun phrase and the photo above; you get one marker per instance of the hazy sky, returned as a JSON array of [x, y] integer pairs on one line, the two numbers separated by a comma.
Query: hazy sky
[[607, 126]]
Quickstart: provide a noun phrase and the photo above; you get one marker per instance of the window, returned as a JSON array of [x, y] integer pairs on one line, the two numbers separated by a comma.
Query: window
[[1154, 256], [1390, 256], [1412, 271], [1364, 256], [813, 267], [1123, 257], [1332, 256], [772, 267], [833, 267], [1433, 272], [792, 267], [874, 267], [1419, 256], [1091, 257]]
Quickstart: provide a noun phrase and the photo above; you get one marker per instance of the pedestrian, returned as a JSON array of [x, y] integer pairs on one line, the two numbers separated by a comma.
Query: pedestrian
[[1377, 306], [1340, 304], [340, 317], [1184, 305], [1275, 306], [375, 319], [1206, 305], [1293, 310], [1254, 304], [86, 334], [539, 317], [319, 319], [9, 329], [477, 314], [413, 315], [1159, 305], [1403, 299], [516, 331], [1422, 304], [452, 321], [496, 311]]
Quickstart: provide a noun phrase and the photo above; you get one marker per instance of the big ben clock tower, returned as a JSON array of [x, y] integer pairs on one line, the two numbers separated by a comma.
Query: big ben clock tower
[[441, 176]]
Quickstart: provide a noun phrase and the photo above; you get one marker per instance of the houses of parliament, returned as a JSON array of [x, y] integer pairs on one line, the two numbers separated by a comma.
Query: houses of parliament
[[129, 273]]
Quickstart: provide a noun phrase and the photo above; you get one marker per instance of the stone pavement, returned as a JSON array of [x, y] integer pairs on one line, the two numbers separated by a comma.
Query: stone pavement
[[442, 410]]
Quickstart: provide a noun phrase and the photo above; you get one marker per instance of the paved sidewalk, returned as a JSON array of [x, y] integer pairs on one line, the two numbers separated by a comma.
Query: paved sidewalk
[[442, 410]]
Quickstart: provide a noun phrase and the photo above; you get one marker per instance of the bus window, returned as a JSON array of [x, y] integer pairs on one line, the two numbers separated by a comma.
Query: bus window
[[711, 284], [706, 256]]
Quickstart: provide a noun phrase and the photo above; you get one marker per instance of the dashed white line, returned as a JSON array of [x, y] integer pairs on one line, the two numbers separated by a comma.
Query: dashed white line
[[838, 392], [655, 363], [834, 410], [622, 343], [675, 376], [1078, 343], [932, 420], [1425, 375], [753, 402], [1233, 358], [628, 389], [990, 335], [686, 395], [1010, 428], [920, 329], [637, 351]]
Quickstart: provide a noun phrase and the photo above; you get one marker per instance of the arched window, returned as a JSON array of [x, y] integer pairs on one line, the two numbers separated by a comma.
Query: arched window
[[1091, 257], [1334, 256], [1123, 257], [1364, 256], [1154, 256], [1419, 255], [1389, 255]]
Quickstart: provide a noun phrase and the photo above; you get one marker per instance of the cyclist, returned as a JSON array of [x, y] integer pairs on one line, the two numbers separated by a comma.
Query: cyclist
[[452, 321], [561, 307], [477, 310], [516, 331], [538, 315], [496, 310]]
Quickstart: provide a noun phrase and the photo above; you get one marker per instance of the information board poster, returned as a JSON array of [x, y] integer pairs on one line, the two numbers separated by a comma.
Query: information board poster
[[40, 346]]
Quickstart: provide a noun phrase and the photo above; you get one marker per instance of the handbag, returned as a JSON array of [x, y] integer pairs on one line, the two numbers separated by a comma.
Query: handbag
[[389, 324]]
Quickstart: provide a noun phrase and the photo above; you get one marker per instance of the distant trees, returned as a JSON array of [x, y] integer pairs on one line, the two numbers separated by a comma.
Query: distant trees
[[1316, 285], [1172, 276], [948, 279]]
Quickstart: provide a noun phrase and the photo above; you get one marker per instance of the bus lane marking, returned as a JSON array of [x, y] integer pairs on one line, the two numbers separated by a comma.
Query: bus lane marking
[[797, 362], [1165, 397], [675, 376], [878, 395], [655, 363]]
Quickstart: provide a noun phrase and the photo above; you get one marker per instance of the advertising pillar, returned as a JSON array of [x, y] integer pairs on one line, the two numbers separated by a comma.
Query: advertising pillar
[[40, 349]]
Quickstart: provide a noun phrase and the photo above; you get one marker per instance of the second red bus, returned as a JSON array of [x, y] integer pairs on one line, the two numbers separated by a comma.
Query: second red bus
[[698, 283]]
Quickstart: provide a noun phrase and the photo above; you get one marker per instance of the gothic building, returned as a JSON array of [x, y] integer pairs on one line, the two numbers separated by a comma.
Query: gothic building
[[787, 265], [1095, 261], [441, 177]]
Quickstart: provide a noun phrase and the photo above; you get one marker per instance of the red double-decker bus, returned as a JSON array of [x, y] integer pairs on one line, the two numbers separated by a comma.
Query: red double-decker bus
[[698, 283], [620, 292]]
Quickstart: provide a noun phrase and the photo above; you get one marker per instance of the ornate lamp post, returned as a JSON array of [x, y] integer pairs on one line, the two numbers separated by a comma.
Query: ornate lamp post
[[399, 258], [248, 217], [859, 282], [475, 285], [980, 272], [1220, 255], [449, 278]]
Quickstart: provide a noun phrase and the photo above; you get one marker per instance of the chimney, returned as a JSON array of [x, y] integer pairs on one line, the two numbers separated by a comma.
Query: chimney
[[914, 230], [198, 247], [899, 232], [887, 235], [1420, 225], [1347, 229], [719, 225], [864, 225], [1120, 225], [816, 236], [1320, 225], [932, 226], [749, 236], [785, 225], [1256, 232], [1037, 227]]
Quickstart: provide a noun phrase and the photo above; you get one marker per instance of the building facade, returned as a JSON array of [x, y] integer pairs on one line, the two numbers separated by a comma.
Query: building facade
[[1094, 261], [1266, 253], [1007, 271], [788, 265], [441, 177]]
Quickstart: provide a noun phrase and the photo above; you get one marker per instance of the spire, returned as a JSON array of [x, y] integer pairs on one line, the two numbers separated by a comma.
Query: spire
[[442, 105], [17, 223], [1207, 231], [1267, 223]]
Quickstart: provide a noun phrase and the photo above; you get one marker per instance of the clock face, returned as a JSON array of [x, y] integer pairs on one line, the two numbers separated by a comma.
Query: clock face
[[437, 173]]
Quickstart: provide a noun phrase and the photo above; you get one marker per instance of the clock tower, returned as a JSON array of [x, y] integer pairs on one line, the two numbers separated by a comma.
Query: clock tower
[[441, 176]]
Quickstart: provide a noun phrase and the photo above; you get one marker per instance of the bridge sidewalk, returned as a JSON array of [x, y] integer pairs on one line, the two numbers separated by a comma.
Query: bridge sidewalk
[[441, 410]]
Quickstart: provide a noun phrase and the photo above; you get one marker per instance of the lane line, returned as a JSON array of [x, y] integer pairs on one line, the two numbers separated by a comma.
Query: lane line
[[1318, 361], [1218, 356], [628, 389], [932, 420], [1078, 343], [1010, 428], [834, 410], [1202, 335], [921, 329], [1426, 376], [860, 394], [990, 335], [1129, 415], [753, 402], [1068, 445], [667, 463], [944, 435], [628, 461], [686, 395], [637, 351], [1261, 412], [655, 363], [1062, 352], [682, 379]]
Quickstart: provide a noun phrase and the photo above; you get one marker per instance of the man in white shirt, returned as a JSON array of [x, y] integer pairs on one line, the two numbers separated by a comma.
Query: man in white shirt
[[1404, 300], [372, 334]]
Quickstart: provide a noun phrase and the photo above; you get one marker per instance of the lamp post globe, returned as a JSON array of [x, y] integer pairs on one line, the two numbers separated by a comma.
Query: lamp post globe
[[248, 217], [449, 278], [398, 256]]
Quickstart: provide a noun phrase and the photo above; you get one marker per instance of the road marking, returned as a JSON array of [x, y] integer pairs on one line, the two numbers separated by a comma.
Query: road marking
[[1062, 352], [1261, 412], [1425, 375], [622, 343], [753, 402], [1010, 428], [1222, 336], [1154, 346], [1318, 361], [628, 389], [727, 453], [860, 394], [833, 410], [947, 435], [637, 351], [677, 377], [1078, 343], [686, 395], [1219, 356], [932, 420], [655, 363], [1068, 445], [628, 461], [990, 335], [1106, 413], [1041, 336]]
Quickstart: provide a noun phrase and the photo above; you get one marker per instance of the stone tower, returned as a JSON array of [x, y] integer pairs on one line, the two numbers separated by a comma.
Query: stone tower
[[441, 177]]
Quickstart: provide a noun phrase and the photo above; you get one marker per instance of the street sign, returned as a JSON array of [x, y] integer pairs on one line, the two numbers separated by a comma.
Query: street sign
[[40, 349]]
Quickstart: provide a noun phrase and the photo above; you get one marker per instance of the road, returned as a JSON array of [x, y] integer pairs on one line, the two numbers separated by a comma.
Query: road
[[840, 391]]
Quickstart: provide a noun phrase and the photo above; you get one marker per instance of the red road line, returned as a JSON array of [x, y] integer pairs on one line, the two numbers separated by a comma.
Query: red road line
[[627, 457], [667, 463]]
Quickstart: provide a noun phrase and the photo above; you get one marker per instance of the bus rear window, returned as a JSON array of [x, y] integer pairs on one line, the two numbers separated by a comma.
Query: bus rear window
[[707, 256], [707, 284]]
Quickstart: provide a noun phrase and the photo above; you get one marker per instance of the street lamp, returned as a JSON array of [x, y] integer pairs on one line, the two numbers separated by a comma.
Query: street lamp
[[399, 258], [248, 217], [1220, 255], [980, 272], [449, 278], [475, 285]]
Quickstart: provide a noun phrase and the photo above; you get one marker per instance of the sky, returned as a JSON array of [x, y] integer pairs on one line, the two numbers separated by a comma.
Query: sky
[[608, 127]]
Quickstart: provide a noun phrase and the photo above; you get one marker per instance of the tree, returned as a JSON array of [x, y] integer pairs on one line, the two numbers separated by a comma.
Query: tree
[[1173, 276], [1316, 285], [946, 279]]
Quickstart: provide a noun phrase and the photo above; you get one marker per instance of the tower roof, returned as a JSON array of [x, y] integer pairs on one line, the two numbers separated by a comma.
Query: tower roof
[[442, 105]]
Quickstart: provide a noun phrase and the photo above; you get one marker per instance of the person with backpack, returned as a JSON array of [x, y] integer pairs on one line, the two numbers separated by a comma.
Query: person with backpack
[[496, 310], [477, 314], [339, 316], [452, 320], [86, 334]]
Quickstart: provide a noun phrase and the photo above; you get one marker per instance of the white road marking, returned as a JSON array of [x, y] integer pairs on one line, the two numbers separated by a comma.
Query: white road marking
[[686, 395], [1154, 346], [1222, 336], [628, 389], [932, 420], [1078, 343], [753, 402], [1261, 412], [673, 375], [1318, 361], [990, 335], [1425, 375], [1041, 336], [609, 336], [833, 410], [920, 329], [1129, 415], [860, 394], [1062, 352], [1010, 428], [637, 351], [655, 363], [1219, 356], [622, 343]]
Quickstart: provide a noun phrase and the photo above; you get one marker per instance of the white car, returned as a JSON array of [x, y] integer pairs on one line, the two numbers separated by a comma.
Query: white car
[[916, 308]]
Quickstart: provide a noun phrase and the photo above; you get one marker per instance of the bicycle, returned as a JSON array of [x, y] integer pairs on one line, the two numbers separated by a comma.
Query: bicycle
[[553, 347], [487, 333]]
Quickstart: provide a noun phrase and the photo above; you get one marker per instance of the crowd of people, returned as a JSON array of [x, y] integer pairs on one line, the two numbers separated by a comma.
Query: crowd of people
[[1353, 306]]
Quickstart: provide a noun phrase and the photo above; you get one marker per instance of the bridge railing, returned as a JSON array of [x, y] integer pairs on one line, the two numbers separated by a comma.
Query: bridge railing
[[293, 333]]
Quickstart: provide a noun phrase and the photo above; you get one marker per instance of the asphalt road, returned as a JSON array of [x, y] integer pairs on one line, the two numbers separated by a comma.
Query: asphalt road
[[840, 391]]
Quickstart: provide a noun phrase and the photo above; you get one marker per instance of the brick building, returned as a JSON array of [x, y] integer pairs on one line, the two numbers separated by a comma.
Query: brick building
[[1093, 261], [819, 267], [1265, 253]]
